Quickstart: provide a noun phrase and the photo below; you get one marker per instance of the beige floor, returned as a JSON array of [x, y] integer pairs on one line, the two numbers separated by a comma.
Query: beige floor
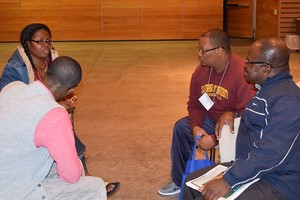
[[130, 96]]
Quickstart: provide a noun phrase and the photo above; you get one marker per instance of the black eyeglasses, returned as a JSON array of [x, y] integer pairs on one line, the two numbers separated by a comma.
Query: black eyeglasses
[[43, 42], [247, 62], [203, 51]]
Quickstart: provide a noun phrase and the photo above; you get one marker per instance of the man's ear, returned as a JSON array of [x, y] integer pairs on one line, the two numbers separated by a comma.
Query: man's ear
[[266, 70], [70, 91], [63, 93], [219, 50]]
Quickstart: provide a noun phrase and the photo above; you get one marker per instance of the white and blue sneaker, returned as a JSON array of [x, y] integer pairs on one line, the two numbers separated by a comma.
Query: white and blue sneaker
[[169, 189]]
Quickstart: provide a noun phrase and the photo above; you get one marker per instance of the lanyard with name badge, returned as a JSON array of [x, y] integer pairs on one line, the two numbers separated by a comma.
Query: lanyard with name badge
[[205, 100]]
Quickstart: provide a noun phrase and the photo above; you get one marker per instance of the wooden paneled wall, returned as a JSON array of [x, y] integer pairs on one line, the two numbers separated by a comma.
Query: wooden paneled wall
[[10, 20], [112, 19], [240, 18], [276, 18], [289, 11], [266, 21]]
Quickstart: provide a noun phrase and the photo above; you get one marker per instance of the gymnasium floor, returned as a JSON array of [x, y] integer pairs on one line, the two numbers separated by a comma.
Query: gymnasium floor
[[131, 94]]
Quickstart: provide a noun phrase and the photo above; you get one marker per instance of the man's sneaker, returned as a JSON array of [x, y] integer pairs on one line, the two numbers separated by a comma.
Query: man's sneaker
[[169, 189]]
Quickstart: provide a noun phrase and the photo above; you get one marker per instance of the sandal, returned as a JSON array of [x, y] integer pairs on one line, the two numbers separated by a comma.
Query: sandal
[[116, 187]]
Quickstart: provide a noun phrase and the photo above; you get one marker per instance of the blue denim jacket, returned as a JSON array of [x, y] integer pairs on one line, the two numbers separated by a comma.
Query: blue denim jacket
[[15, 70]]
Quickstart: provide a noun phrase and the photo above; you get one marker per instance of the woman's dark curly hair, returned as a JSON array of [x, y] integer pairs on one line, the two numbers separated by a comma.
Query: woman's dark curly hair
[[26, 36]]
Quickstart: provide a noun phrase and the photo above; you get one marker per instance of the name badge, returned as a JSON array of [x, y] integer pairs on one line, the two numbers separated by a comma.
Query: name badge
[[206, 101]]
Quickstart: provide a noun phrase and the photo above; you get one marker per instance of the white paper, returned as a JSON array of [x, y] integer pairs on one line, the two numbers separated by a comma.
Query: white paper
[[211, 174], [198, 182], [206, 101], [227, 142]]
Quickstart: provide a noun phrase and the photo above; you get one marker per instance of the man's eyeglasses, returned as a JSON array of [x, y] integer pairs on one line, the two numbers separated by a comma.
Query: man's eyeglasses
[[43, 42], [247, 62], [203, 51]]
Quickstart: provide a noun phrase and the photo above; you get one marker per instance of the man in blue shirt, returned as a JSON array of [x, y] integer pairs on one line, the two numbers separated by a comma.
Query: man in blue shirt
[[268, 142]]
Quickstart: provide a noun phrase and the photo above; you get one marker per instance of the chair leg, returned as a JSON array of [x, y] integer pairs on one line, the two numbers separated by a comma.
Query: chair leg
[[212, 155]]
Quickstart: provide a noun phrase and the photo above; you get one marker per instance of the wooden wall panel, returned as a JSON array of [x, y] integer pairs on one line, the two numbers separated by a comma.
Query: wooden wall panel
[[10, 20], [47, 12], [266, 21], [240, 18], [111, 19], [199, 16], [298, 26], [81, 20], [162, 19], [289, 11], [122, 20]]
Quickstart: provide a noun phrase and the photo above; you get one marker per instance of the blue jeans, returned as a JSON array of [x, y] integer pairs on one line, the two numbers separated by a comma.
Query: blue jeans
[[80, 147], [182, 145]]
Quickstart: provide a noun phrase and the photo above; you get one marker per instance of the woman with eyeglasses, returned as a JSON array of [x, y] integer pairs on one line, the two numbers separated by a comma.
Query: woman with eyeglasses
[[30, 62], [32, 57]]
